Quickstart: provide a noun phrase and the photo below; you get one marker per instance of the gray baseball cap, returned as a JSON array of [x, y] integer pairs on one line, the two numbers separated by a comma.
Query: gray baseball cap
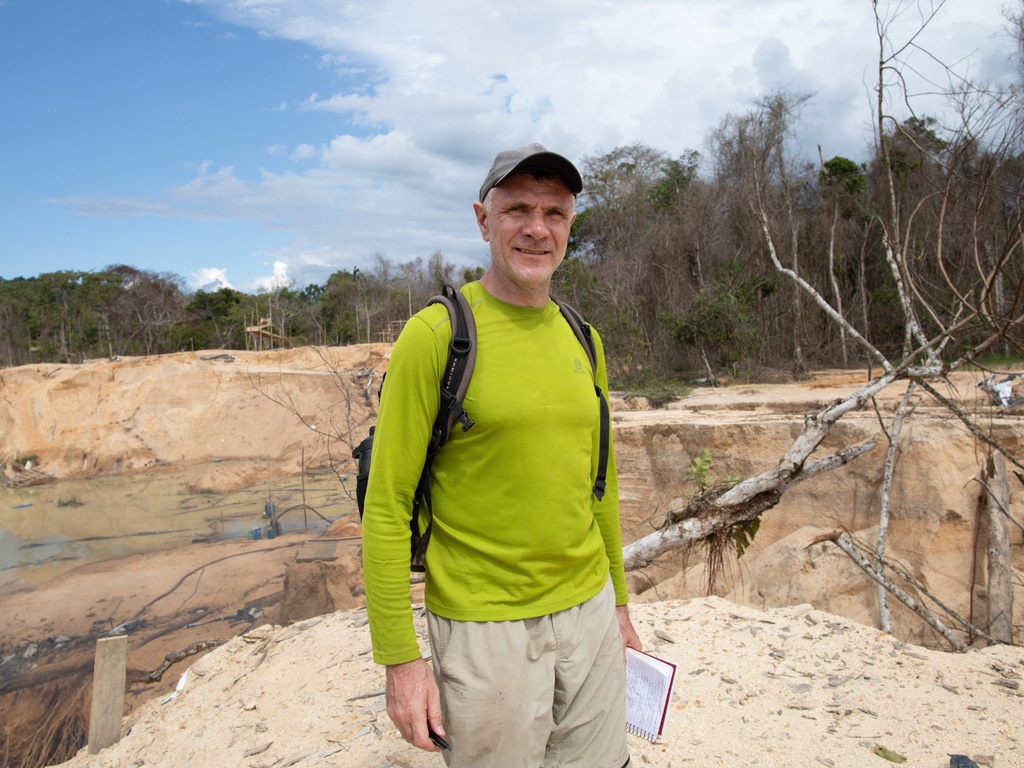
[[532, 156]]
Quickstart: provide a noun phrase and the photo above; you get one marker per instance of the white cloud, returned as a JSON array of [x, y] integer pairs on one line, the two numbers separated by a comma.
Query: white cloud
[[456, 77], [436, 88], [210, 279], [301, 263], [279, 279]]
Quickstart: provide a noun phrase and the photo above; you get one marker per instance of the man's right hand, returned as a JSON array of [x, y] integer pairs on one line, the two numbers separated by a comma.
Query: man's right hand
[[413, 701]]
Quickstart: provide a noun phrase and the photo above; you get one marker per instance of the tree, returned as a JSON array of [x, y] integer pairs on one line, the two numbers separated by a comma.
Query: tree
[[842, 183], [627, 263], [752, 150], [945, 253], [219, 318], [141, 317]]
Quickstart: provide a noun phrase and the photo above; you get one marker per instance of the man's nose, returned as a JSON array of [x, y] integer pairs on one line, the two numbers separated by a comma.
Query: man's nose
[[535, 226]]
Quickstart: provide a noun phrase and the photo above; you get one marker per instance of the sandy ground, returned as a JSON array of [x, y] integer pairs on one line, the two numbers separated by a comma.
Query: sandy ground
[[788, 687], [785, 687]]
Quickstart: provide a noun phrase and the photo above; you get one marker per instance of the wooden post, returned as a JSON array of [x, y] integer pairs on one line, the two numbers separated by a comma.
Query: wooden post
[[109, 675]]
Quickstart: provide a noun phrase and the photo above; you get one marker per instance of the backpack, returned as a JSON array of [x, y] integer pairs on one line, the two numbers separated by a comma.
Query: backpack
[[453, 384]]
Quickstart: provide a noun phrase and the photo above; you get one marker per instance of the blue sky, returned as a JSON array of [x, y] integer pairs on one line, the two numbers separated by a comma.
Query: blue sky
[[256, 142]]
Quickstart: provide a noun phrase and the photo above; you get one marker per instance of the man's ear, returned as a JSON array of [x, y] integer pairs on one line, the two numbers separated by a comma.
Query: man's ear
[[481, 220]]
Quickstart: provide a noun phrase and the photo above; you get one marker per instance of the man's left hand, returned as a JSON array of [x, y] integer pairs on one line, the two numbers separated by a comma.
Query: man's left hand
[[630, 639]]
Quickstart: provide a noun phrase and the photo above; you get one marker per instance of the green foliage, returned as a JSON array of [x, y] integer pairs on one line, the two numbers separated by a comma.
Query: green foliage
[[219, 318], [722, 319], [336, 308], [845, 174], [699, 473], [922, 131], [469, 274], [997, 361], [911, 143], [578, 240], [69, 316], [665, 194], [743, 534], [887, 322], [218, 304], [668, 264], [20, 462]]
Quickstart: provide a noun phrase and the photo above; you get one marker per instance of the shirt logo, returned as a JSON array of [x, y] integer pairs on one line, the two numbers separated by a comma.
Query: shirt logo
[[579, 366]]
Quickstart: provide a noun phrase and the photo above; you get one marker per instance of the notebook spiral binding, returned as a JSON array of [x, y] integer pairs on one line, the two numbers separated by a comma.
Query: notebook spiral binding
[[651, 737]]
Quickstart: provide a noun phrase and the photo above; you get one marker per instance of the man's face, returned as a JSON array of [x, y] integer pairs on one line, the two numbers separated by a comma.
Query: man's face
[[528, 230]]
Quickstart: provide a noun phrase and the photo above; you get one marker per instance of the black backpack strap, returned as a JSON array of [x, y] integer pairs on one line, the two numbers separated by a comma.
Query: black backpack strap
[[459, 368], [582, 330], [419, 540], [454, 383]]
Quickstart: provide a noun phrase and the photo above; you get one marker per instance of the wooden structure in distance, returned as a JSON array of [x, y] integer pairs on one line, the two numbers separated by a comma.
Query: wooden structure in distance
[[261, 331]]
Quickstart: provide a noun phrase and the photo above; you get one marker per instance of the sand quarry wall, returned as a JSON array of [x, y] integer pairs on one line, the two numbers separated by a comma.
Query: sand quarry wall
[[283, 406]]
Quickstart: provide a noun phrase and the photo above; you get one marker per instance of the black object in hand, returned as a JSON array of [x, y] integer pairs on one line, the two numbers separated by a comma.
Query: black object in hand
[[438, 741]]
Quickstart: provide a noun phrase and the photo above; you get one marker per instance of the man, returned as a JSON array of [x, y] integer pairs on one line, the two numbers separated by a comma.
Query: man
[[524, 567]]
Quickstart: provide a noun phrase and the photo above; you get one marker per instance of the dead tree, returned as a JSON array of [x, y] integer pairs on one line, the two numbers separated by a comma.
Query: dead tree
[[339, 423], [960, 210], [1000, 574]]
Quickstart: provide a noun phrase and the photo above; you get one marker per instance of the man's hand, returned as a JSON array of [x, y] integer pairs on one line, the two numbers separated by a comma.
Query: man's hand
[[630, 639], [413, 701]]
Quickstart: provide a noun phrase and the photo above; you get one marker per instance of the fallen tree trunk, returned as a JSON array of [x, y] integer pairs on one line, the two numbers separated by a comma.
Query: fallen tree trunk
[[884, 615], [713, 513], [717, 511]]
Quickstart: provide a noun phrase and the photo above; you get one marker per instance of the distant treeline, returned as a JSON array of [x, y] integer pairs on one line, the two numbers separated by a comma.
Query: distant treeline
[[668, 259], [69, 317]]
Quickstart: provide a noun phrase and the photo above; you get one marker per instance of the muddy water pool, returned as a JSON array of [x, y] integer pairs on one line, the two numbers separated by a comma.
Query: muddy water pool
[[46, 530]]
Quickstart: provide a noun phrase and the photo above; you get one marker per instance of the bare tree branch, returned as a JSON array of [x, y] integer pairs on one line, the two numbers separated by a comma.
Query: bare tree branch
[[842, 540]]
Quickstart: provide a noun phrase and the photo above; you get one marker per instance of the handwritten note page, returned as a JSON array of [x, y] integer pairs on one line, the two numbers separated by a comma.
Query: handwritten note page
[[649, 682]]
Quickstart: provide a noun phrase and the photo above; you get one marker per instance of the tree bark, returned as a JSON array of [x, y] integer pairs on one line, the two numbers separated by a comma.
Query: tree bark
[[174, 657], [716, 512], [884, 615], [1000, 583]]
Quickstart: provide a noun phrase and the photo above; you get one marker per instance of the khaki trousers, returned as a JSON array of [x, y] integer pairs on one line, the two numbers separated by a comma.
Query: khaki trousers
[[548, 691]]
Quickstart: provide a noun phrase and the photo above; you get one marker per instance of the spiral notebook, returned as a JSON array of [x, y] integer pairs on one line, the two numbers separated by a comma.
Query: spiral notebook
[[649, 682]]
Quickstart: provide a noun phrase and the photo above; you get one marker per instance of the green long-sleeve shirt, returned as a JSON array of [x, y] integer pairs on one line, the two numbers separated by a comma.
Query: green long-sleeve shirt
[[517, 530]]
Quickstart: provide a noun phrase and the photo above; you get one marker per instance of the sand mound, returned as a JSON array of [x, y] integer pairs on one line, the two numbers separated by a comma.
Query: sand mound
[[785, 687]]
